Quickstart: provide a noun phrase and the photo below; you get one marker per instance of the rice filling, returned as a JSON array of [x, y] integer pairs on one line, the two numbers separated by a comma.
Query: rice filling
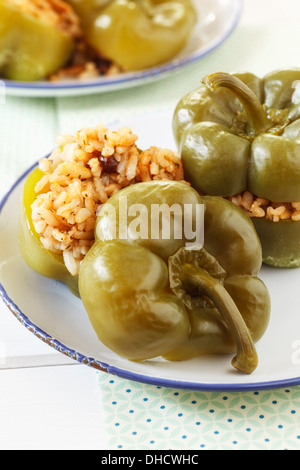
[[260, 207], [81, 175]]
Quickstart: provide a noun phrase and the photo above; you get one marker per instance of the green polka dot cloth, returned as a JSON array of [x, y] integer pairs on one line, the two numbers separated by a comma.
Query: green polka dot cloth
[[149, 417]]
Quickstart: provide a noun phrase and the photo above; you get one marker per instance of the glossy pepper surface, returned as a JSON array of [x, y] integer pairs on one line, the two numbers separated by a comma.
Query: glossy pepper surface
[[39, 259], [137, 34], [30, 47], [239, 132], [152, 296]]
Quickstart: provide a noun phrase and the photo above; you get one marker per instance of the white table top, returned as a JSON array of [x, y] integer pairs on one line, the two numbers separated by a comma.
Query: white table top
[[48, 401]]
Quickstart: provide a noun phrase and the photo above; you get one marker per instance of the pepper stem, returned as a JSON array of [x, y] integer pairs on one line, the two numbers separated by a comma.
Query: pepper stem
[[247, 97], [193, 277]]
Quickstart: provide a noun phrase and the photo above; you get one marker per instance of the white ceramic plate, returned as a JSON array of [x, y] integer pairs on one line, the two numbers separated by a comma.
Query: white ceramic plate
[[217, 20], [52, 313]]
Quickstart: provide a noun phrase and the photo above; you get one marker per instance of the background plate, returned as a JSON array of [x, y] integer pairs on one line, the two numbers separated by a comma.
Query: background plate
[[217, 20], [52, 313]]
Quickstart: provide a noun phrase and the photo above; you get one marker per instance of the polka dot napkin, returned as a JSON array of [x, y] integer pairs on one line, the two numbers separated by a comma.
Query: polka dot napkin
[[147, 417]]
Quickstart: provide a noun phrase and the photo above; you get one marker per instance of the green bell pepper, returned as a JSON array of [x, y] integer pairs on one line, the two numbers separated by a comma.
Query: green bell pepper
[[137, 34], [240, 133], [32, 48], [39, 259], [152, 296]]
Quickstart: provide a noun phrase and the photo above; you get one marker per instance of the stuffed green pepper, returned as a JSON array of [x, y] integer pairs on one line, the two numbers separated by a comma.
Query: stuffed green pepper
[[152, 296], [239, 138]]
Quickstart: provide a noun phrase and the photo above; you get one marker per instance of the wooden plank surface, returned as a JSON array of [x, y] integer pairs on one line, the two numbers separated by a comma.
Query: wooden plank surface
[[51, 408]]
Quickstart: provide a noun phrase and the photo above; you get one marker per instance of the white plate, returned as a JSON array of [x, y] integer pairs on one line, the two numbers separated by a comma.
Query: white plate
[[217, 20], [52, 313]]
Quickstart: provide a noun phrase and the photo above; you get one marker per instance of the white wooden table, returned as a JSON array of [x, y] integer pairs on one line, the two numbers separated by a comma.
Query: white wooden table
[[48, 401]]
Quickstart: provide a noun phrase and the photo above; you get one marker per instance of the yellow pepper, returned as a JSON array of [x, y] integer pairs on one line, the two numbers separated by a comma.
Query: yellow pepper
[[137, 34], [33, 46]]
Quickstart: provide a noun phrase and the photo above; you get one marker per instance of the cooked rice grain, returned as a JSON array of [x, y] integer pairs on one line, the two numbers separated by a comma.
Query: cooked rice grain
[[260, 207], [81, 175]]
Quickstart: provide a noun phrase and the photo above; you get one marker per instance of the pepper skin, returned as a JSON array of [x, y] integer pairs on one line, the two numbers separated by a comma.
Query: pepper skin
[[30, 48], [241, 133], [281, 242], [137, 34], [149, 297], [34, 254]]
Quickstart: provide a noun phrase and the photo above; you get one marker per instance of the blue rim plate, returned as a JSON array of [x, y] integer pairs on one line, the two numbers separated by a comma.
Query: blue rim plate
[[218, 20], [24, 292]]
